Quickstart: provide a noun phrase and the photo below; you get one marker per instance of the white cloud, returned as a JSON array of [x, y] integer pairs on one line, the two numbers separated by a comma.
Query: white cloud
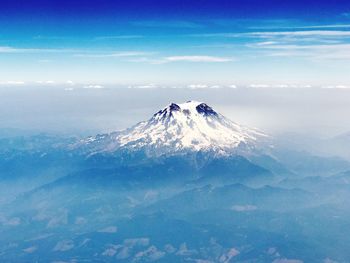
[[80, 220], [141, 59], [326, 26], [88, 53], [285, 260], [150, 254], [184, 251], [64, 245], [328, 260], [111, 250], [169, 248], [130, 242], [265, 43], [291, 33], [336, 87], [317, 50], [304, 47], [48, 82], [273, 251], [226, 258], [40, 237], [197, 86], [146, 86], [279, 27], [189, 86], [55, 221], [110, 229], [69, 89], [11, 82], [94, 87], [313, 45], [8, 49], [206, 86], [30, 249], [115, 54], [281, 86], [123, 253], [15, 221], [229, 35], [259, 86], [197, 59], [333, 33]]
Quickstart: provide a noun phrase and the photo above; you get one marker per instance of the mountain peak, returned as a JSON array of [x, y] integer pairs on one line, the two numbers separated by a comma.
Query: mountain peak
[[190, 126], [200, 107], [189, 108]]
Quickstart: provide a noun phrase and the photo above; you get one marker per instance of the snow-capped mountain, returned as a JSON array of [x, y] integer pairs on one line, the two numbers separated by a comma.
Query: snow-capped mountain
[[178, 128]]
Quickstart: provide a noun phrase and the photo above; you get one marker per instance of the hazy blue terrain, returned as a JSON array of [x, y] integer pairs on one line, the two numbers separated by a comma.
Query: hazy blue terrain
[[59, 204]]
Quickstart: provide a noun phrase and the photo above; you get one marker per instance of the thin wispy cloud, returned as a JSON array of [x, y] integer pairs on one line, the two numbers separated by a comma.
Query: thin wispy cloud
[[142, 59], [268, 34], [214, 35], [78, 52], [207, 86], [310, 51], [93, 86], [46, 82], [265, 43], [97, 38], [313, 45], [167, 24], [343, 87], [303, 47], [323, 26], [248, 23], [114, 54], [197, 59], [118, 37], [193, 86], [12, 82], [197, 86], [291, 27], [41, 37], [279, 86], [9, 49], [187, 58], [336, 33], [145, 86]]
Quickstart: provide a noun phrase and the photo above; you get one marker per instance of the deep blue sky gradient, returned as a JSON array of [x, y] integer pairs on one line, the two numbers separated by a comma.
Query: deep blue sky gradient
[[65, 40], [159, 8]]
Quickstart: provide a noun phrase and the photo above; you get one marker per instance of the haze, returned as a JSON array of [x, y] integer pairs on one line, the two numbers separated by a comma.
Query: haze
[[81, 109]]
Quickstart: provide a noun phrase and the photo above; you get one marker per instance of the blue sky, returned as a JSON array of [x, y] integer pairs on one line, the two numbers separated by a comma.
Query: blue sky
[[175, 42]]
